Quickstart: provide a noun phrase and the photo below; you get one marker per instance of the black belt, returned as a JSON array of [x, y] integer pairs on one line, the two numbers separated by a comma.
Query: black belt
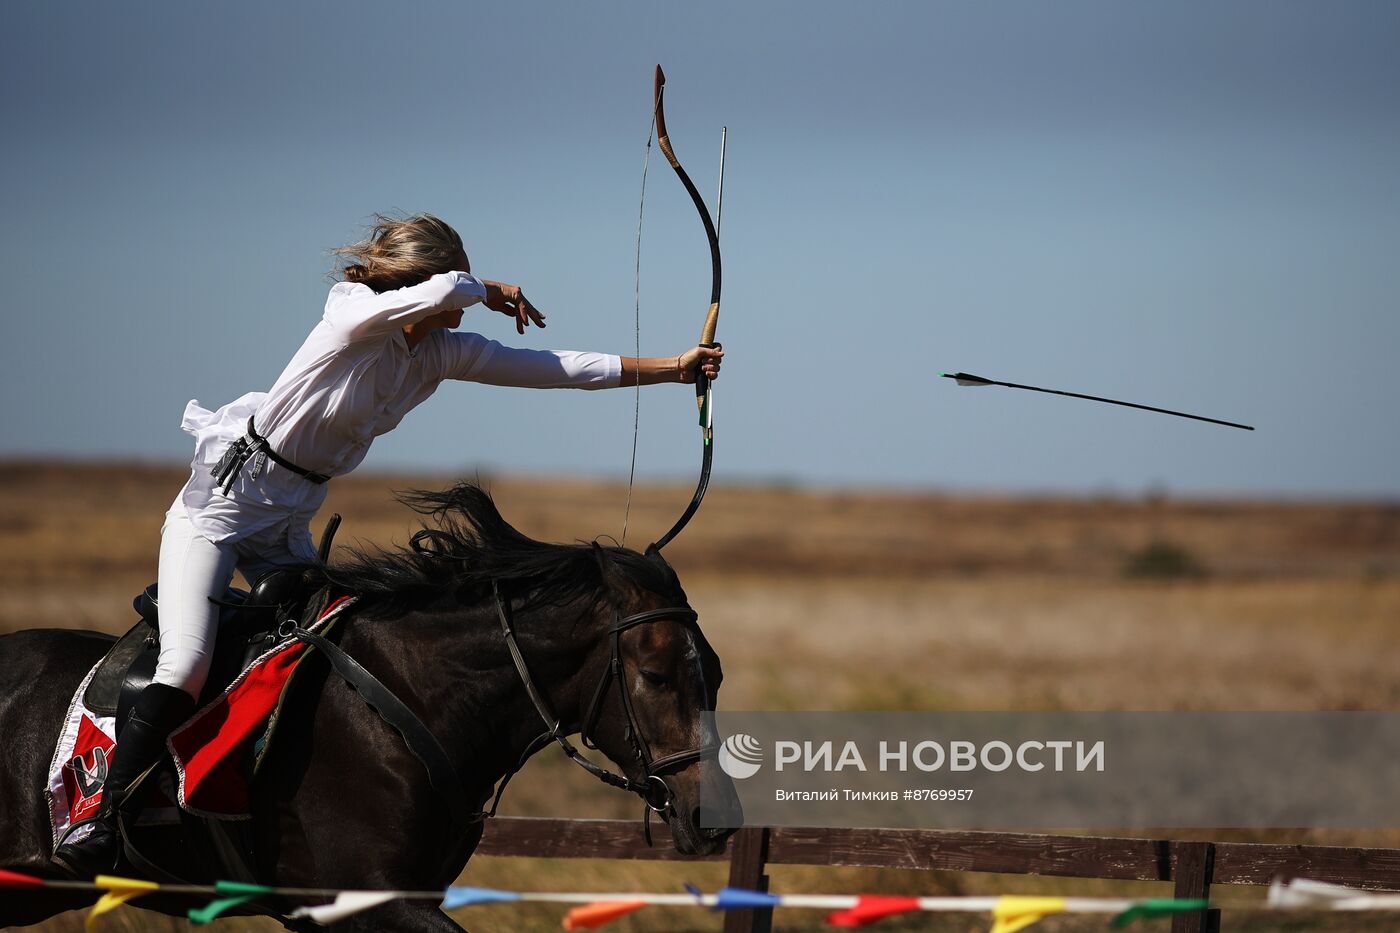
[[255, 447]]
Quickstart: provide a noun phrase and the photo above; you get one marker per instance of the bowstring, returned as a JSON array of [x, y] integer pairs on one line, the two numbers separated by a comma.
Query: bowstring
[[637, 329]]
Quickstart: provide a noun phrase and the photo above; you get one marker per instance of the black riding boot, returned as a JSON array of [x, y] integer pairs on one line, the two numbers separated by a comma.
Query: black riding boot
[[140, 744]]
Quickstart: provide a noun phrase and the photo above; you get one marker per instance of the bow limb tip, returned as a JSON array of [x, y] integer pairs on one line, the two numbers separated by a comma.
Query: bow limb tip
[[663, 139]]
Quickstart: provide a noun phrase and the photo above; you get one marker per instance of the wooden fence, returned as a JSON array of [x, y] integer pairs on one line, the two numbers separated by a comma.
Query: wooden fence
[[1192, 866]]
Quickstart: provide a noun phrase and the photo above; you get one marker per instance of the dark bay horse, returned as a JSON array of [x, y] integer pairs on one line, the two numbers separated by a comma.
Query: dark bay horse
[[605, 634]]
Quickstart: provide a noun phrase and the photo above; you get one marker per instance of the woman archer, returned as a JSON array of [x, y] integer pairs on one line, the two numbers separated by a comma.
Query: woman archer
[[384, 343]]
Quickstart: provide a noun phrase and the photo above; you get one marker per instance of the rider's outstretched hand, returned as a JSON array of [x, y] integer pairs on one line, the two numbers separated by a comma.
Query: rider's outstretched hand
[[511, 301], [702, 359]]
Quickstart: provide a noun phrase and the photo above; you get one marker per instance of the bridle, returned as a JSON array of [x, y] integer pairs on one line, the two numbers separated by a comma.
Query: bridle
[[652, 788]]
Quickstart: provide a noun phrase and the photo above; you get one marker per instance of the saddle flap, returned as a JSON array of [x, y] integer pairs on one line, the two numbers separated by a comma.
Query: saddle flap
[[131, 663], [104, 691]]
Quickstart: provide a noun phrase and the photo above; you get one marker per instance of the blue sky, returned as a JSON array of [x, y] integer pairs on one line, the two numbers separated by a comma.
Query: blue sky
[[1194, 206]]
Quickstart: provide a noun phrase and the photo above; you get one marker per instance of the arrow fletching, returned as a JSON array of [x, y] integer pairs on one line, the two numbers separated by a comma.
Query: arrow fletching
[[967, 379]]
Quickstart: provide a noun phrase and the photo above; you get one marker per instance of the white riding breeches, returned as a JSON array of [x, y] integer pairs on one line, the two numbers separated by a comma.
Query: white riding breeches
[[192, 569]]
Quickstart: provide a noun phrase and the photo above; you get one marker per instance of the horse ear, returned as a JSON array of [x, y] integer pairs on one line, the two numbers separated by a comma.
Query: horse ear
[[601, 558]]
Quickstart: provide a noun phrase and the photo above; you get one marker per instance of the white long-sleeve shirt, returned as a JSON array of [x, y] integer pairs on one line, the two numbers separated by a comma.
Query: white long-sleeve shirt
[[353, 379]]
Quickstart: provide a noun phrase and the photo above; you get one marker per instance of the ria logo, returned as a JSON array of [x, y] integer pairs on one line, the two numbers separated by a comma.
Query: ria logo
[[740, 756]]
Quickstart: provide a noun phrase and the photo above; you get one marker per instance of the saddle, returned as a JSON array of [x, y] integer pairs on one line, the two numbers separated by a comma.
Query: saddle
[[248, 626]]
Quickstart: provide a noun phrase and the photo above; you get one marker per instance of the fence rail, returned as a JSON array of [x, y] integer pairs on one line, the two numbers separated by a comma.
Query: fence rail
[[1192, 866]]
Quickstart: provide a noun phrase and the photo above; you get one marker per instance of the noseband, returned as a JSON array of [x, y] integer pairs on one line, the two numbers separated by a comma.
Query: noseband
[[652, 787]]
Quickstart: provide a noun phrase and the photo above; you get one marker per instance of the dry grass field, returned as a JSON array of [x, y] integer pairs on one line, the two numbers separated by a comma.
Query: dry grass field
[[853, 600]]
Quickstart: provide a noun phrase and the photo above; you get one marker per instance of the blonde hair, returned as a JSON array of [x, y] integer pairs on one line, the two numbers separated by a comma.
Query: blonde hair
[[398, 253]]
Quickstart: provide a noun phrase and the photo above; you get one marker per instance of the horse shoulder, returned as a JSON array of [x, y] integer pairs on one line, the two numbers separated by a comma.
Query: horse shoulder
[[39, 671], [340, 799]]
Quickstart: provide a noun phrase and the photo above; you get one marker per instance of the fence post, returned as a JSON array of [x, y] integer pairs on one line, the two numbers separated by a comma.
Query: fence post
[[1195, 864], [747, 860]]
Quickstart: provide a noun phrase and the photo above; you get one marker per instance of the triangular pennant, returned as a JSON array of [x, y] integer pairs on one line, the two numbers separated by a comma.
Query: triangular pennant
[[211, 911], [741, 899], [119, 891], [114, 883], [1157, 907], [1013, 913], [13, 879], [242, 887], [466, 896], [595, 915], [870, 908], [1303, 892], [346, 904]]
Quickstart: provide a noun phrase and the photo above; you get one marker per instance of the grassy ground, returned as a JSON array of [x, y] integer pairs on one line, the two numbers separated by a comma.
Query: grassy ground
[[841, 600]]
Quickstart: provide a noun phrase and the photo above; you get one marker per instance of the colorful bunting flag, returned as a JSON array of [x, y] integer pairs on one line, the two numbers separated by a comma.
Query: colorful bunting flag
[[871, 908], [1009, 913], [466, 897], [13, 879], [346, 904], [741, 899], [595, 915], [1013, 913], [1302, 892], [242, 887], [119, 891], [210, 912], [1157, 907], [237, 893]]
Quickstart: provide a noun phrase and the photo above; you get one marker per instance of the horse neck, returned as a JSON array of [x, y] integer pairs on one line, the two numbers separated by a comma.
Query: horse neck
[[557, 645], [473, 698]]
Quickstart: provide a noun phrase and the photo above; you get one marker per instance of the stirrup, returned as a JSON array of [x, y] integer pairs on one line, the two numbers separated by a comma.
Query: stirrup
[[95, 855]]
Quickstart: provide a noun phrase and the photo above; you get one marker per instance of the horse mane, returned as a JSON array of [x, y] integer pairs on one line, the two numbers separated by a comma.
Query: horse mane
[[466, 545]]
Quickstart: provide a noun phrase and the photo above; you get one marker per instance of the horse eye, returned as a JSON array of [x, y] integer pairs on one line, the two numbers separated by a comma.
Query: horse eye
[[652, 678]]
